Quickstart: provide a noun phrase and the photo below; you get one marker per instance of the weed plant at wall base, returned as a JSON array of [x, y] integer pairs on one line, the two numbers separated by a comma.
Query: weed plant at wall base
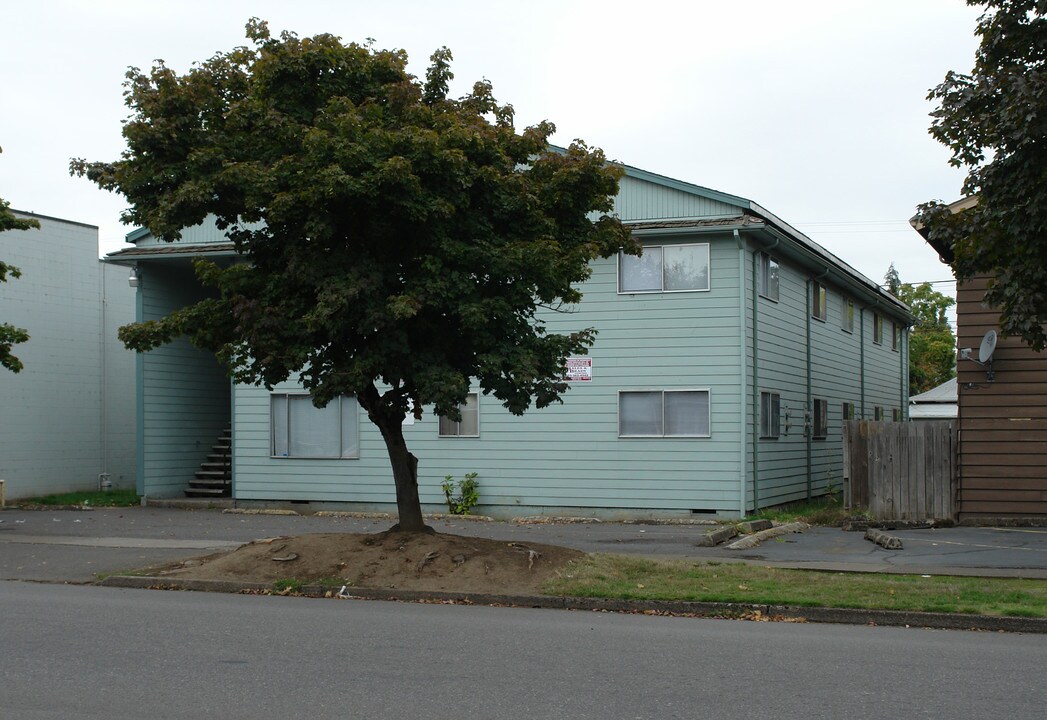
[[468, 493]]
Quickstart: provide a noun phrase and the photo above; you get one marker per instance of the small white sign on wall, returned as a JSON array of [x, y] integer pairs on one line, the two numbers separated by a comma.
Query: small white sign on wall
[[579, 369]]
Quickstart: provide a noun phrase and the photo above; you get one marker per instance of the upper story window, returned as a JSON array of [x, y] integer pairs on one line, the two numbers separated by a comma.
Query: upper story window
[[665, 268], [469, 425], [847, 322], [299, 429], [878, 328], [663, 413], [769, 277], [896, 335], [818, 304]]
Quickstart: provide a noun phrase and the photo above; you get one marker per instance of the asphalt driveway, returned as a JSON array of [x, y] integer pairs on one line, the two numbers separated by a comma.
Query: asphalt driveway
[[77, 546]]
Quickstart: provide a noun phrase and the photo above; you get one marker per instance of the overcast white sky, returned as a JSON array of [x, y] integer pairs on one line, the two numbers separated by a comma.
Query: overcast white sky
[[815, 110]]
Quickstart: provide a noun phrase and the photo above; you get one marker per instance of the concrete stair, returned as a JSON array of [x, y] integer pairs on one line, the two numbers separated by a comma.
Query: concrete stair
[[214, 479]]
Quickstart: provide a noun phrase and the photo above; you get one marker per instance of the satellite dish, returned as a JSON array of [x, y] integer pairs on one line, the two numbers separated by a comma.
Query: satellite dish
[[987, 348]]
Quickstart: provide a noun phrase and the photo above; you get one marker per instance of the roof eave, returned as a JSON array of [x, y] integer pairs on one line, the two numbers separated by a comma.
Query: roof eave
[[171, 251], [818, 254]]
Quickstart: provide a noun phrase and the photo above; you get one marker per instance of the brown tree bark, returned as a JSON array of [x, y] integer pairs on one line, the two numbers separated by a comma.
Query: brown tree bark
[[404, 464]]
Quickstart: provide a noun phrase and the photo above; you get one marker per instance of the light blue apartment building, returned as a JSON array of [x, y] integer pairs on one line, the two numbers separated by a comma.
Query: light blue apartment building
[[727, 358]]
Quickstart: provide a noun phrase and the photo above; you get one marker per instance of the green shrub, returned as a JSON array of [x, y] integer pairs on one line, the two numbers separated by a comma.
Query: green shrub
[[468, 493]]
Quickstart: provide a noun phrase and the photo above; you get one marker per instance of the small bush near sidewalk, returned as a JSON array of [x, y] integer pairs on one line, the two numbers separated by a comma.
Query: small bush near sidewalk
[[112, 498], [618, 577]]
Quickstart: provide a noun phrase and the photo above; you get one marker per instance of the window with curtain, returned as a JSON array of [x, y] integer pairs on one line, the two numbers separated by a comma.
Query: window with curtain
[[299, 429], [469, 425], [663, 413], [666, 268]]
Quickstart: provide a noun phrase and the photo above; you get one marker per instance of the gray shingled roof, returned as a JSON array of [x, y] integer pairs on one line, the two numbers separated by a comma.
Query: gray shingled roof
[[944, 393]]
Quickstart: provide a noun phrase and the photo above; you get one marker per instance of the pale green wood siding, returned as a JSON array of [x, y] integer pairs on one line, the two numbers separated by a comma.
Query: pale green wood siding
[[643, 200], [782, 369], [787, 471], [567, 455], [185, 402], [835, 378], [884, 370], [206, 233]]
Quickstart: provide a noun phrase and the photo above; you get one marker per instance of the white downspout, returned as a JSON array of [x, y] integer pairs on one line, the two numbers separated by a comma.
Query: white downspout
[[742, 424], [103, 477]]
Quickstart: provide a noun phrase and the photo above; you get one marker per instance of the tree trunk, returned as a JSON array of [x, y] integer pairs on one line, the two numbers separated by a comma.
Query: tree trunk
[[405, 475]]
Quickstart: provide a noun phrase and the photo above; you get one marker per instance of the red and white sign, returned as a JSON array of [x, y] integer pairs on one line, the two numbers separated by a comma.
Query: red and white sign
[[579, 369]]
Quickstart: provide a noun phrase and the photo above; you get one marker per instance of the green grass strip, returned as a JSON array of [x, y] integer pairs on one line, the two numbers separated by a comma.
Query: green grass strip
[[628, 578], [112, 498]]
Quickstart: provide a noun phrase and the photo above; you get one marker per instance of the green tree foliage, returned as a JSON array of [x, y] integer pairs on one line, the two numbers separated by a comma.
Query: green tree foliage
[[994, 120], [892, 281], [9, 334], [932, 345], [400, 242]]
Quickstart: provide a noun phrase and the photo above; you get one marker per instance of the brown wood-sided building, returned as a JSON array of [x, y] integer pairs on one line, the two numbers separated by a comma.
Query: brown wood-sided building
[[1002, 450]]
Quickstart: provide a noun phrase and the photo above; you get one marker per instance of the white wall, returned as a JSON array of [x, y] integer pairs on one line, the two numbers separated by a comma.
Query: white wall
[[69, 414]]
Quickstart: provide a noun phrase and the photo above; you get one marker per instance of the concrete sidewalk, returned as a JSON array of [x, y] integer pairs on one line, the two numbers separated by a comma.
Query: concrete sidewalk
[[77, 546]]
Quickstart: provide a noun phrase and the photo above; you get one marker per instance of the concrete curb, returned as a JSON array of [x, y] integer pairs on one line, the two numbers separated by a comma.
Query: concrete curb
[[715, 537], [782, 613], [751, 541], [888, 542]]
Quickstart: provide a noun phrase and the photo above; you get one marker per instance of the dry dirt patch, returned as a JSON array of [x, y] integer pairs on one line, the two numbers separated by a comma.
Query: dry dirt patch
[[387, 560]]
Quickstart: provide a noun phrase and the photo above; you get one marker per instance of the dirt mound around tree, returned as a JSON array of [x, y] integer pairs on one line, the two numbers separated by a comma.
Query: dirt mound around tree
[[387, 560]]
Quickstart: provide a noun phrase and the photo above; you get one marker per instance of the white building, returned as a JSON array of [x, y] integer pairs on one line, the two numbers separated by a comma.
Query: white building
[[68, 418]]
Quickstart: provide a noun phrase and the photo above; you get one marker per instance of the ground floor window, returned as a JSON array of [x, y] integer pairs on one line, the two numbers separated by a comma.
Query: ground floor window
[[469, 425], [663, 413], [299, 429], [848, 411], [770, 415]]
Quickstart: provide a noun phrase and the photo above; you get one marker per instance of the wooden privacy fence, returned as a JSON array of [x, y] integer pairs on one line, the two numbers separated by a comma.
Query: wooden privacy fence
[[901, 470]]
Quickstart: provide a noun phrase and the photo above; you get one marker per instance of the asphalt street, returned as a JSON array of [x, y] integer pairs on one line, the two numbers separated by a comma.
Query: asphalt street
[[91, 653], [76, 546]]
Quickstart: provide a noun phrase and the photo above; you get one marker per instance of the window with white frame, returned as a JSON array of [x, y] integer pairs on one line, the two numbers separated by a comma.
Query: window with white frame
[[469, 425], [770, 275], [847, 322], [896, 335], [663, 413], [770, 415], [878, 328], [820, 421], [665, 268], [818, 304], [299, 429]]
